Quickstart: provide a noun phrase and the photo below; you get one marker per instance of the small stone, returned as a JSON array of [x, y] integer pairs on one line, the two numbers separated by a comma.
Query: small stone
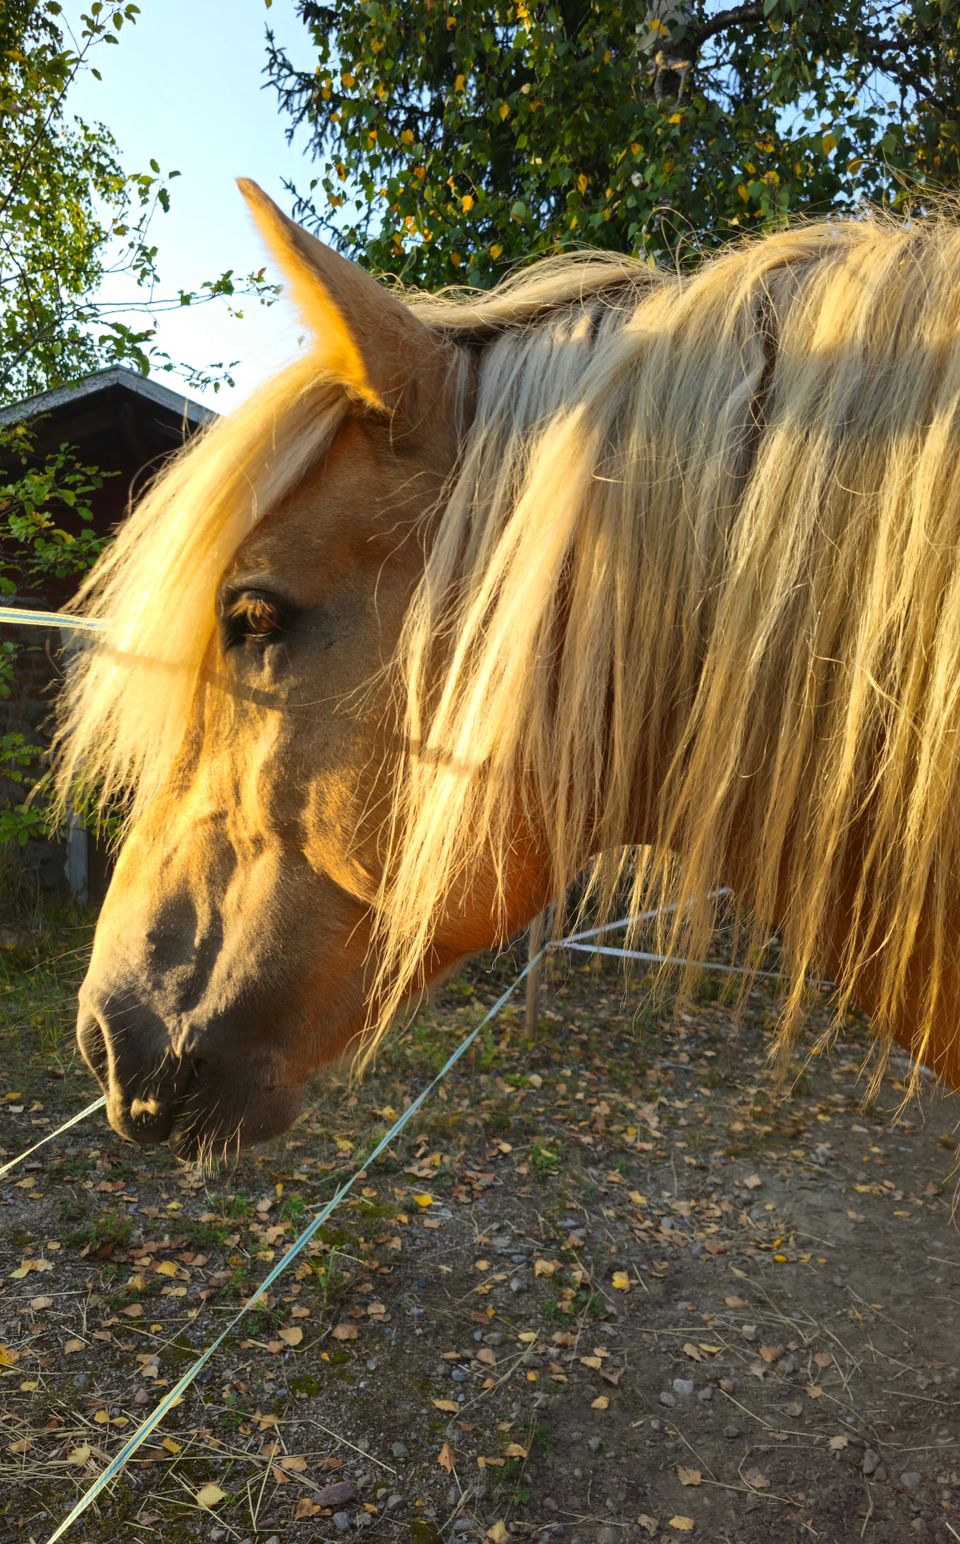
[[609, 1535], [394, 1501], [340, 1493], [683, 1386], [705, 1394], [518, 1284], [341, 1521], [458, 1375], [911, 1479], [400, 1450], [595, 1444], [666, 1398], [731, 1431], [870, 1460]]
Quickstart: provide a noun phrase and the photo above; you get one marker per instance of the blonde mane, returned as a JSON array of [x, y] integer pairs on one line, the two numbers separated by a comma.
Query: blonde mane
[[696, 586], [128, 694]]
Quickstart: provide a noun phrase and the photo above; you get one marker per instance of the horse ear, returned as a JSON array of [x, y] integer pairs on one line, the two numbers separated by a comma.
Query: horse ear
[[369, 340]]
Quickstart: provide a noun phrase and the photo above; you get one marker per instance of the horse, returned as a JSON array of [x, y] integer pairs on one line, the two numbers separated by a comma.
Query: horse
[[645, 572]]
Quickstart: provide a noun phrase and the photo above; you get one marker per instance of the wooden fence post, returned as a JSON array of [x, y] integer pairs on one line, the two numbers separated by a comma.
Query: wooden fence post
[[532, 1000]]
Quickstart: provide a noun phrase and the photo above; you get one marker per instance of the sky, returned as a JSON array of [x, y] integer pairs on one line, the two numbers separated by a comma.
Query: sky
[[185, 88]]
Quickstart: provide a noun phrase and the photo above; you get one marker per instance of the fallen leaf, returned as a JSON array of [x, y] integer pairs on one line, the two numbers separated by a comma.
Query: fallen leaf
[[292, 1336], [450, 1406], [621, 1281], [446, 1458], [600, 1403], [71, 1346], [294, 1463], [837, 1444], [424, 1199], [79, 1455], [345, 1331], [689, 1476], [756, 1478], [682, 1524], [210, 1495], [37, 1303], [693, 1351], [648, 1524], [498, 1533], [514, 1450]]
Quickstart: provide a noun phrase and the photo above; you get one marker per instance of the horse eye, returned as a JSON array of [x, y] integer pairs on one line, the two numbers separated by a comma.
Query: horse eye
[[252, 615]]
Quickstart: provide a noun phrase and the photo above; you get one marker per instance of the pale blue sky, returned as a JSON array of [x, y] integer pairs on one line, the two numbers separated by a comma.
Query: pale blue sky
[[184, 87]]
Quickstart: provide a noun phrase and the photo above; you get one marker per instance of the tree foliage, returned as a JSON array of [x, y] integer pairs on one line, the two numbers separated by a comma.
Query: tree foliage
[[476, 132], [70, 215]]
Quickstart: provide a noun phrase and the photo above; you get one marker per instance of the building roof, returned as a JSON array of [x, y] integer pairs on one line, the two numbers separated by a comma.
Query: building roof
[[104, 388]]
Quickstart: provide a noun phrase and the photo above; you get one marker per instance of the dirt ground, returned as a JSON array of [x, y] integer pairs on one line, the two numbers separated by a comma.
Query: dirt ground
[[609, 1288]]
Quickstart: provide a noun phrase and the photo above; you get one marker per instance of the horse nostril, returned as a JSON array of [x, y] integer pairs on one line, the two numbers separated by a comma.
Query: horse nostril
[[93, 1047]]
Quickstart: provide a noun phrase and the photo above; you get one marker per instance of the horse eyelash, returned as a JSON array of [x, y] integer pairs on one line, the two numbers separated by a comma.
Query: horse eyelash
[[245, 608]]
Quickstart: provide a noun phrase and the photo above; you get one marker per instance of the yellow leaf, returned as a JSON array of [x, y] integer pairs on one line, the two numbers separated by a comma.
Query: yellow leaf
[[514, 1450], [102, 1418], [467, 202], [829, 143], [675, 118], [545, 1267], [621, 1281], [582, 183], [172, 1445], [600, 1403], [406, 138], [166, 1268], [292, 1336], [424, 1199], [450, 1406], [504, 110], [8, 1358], [79, 1455], [210, 1495], [743, 192], [682, 1524], [498, 1534], [459, 83]]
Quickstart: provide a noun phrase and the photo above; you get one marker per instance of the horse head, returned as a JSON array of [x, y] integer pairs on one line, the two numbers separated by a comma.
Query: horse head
[[233, 953]]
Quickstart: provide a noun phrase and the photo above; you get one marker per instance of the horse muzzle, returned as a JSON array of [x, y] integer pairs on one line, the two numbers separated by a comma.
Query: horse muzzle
[[201, 1105]]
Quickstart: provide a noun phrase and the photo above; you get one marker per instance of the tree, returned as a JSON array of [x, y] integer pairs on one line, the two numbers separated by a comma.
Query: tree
[[455, 136], [70, 214]]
